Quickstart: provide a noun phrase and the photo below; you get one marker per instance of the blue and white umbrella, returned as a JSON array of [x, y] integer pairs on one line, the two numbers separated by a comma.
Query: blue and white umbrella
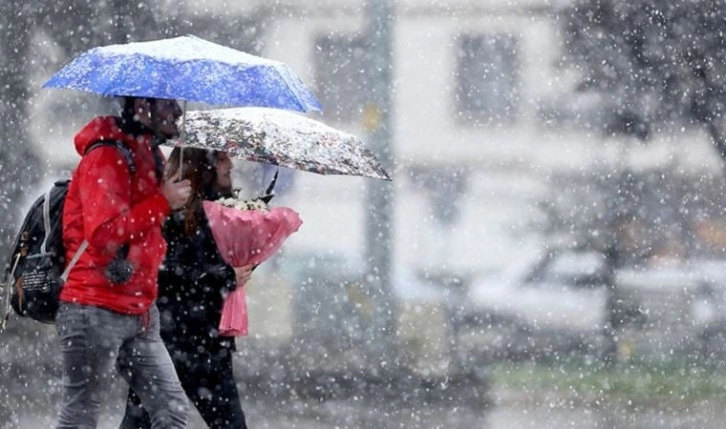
[[186, 68]]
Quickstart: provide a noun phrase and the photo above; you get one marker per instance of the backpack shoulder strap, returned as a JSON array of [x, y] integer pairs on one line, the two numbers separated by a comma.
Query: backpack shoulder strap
[[76, 257], [125, 151]]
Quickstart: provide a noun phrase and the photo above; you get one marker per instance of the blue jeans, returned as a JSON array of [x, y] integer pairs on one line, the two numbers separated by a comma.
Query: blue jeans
[[93, 340]]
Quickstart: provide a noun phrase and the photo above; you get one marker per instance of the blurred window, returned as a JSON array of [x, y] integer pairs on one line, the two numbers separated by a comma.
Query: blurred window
[[486, 78], [340, 75]]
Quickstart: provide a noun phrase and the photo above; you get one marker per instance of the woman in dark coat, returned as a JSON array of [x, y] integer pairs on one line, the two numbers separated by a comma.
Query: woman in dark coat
[[193, 281]]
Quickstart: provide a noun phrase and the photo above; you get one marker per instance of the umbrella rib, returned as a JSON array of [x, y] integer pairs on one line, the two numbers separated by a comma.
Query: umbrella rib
[[301, 103]]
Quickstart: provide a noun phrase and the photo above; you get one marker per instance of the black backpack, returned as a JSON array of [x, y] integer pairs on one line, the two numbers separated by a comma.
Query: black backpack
[[35, 271]]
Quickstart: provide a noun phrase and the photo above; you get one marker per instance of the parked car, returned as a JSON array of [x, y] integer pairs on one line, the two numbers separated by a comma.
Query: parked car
[[546, 306], [685, 308]]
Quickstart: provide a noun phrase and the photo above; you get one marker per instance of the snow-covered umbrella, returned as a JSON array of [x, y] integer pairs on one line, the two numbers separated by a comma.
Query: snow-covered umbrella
[[282, 138], [186, 68], [279, 137]]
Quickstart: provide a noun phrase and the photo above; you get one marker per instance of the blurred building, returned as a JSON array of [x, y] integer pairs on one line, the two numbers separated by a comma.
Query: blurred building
[[484, 115]]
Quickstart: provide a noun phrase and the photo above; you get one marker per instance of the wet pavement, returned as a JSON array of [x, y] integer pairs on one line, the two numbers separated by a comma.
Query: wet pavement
[[512, 410], [277, 393]]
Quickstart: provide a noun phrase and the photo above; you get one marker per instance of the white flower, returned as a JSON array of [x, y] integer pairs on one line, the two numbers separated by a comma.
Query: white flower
[[253, 204]]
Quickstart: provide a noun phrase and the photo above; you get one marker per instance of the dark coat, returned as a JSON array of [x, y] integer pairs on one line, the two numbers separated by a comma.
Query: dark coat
[[193, 281]]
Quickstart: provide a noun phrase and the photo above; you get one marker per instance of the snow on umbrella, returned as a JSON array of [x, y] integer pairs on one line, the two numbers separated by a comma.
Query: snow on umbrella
[[281, 138], [186, 68]]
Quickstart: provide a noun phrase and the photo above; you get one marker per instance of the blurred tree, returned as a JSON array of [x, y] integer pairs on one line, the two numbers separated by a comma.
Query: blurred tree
[[662, 206], [17, 160], [635, 219], [74, 26], [654, 63]]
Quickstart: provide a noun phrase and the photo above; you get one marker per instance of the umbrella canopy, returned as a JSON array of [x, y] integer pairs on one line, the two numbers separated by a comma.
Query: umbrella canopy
[[186, 68], [281, 138]]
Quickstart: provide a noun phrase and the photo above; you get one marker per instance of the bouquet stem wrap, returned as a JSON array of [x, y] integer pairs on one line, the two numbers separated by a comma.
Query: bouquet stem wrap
[[246, 237]]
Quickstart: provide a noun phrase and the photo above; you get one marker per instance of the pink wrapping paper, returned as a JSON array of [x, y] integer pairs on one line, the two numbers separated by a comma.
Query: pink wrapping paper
[[246, 237]]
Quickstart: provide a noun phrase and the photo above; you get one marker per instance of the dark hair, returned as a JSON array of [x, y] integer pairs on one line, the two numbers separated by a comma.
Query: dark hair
[[199, 167], [127, 105]]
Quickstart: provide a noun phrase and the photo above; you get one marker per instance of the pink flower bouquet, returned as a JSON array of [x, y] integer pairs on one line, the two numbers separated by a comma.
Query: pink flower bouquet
[[246, 235]]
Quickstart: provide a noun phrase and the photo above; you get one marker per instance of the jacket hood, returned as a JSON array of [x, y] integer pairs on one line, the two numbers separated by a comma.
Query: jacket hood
[[101, 128]]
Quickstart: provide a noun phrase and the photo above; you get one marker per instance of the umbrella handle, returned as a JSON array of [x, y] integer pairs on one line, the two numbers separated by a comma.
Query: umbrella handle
[[182, 135], [272, 184], [183, 131], [268, 193], [181, 161]]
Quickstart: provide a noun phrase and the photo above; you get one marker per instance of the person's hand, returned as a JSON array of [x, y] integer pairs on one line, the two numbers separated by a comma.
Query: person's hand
[[176, 191], [242, 274]]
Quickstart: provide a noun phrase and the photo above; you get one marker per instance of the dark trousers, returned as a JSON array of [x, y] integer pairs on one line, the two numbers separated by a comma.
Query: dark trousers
[[208, 380]]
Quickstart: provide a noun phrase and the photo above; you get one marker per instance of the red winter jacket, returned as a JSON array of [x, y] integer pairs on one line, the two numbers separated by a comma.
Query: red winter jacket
[[109, 206]]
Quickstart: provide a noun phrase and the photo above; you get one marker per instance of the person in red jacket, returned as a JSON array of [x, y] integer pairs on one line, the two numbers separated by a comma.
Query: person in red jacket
[[108, 319]]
